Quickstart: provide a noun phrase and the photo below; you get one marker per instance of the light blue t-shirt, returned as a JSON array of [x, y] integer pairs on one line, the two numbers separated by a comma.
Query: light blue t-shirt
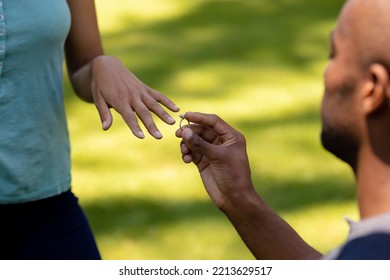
[[34, 142]]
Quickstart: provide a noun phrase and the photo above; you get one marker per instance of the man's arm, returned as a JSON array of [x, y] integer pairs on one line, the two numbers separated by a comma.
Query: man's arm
[[265, 233], [220, 154]]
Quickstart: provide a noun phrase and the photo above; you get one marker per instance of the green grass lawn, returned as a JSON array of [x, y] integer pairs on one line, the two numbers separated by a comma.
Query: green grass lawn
[[256, 63]]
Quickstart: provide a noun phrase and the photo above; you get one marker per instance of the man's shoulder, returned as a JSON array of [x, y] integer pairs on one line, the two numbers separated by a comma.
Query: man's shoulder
[[375, 246]]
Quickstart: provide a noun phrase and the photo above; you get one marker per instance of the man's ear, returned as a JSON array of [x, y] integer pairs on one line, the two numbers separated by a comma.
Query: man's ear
[[376, 89]]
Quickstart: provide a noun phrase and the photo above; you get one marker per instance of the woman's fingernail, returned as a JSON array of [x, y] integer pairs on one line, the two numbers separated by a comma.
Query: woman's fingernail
[[141, 134], [158, 135], [105, 125]]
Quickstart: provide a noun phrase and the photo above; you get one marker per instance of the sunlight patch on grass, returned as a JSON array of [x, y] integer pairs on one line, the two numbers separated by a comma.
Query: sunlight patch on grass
[[199, 80], [140, 11], [247, 93]]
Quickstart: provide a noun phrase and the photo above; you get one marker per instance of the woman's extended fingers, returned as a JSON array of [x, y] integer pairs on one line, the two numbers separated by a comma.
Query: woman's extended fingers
[[131, 120], [114, 86], [104, 111], [154, 105]]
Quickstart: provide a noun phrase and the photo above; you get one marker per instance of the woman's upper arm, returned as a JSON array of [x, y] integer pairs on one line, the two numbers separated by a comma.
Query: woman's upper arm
[[83, 42]]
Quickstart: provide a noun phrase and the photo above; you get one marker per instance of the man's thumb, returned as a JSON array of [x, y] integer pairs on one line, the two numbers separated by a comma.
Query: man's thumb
[[196, 144]]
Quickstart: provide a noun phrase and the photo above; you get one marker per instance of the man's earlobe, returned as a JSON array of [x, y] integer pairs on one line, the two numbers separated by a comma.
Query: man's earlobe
[[376, 89]]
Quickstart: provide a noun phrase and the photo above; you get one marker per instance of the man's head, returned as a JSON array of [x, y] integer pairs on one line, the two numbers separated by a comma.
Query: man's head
[[356, 78]]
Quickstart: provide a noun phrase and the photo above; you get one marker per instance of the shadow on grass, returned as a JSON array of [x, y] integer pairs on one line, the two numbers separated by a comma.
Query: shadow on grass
[[135, 215], [298, 194]]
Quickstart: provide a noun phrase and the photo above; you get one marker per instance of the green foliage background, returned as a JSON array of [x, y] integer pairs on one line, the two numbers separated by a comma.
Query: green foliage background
[[256, 63]]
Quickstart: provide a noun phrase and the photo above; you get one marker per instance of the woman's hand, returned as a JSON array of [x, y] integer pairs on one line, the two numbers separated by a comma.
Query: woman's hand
[[113, 86]]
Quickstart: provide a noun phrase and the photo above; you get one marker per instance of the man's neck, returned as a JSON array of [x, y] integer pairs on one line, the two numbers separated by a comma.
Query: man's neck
[[373, 185]]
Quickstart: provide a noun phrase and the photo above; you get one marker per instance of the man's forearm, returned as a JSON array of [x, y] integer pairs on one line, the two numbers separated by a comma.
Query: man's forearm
[[265, 233]]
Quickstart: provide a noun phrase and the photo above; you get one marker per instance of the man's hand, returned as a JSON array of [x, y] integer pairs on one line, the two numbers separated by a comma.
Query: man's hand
[[219, 152]]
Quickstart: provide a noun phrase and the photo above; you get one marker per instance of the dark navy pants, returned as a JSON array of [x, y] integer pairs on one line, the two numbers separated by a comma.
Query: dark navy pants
[[50, 229]]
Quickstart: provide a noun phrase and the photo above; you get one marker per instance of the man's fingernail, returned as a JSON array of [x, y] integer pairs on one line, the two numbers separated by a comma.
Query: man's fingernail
[[187, 133]]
